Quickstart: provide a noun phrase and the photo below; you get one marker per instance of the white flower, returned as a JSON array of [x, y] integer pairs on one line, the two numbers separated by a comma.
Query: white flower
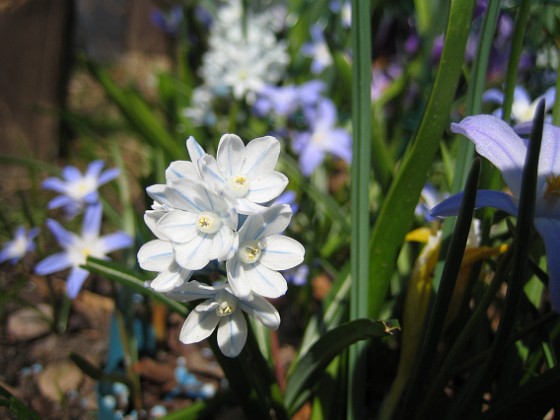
[[242, 60], [159, 255], [261, 251], [199, 223], [222, 309], [245, 174]]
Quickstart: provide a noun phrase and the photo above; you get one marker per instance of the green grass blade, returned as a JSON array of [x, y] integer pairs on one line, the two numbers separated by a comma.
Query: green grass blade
[[397, 212], [132, 280], [361, 170]]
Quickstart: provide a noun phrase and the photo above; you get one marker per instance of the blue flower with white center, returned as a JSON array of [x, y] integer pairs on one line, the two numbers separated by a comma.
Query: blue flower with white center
[[324, 137], [78, 190], [78, 248], [523, 108], [223, 310], [318, 50], [499, 143], [261, 251], [21, 244]]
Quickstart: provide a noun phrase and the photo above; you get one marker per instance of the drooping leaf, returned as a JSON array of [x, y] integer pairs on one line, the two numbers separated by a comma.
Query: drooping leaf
[[311, 365]]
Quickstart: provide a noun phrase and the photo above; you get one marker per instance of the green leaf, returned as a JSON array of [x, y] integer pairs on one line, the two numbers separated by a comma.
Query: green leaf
[[16, 406], [310, 367], [132, 280], [138, 114], [397, 211], [533, 400]]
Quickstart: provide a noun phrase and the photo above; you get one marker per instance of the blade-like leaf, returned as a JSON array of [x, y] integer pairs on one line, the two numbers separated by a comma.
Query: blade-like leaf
[[132, 280], [314, 362], [397, 212]]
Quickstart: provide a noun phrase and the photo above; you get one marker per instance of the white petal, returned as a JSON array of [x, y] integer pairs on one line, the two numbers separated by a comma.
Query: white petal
[[262, 310], [261, 155], [230, 155], [236, 280], [232, 334], [264, 281], [198, 326], [182, 169], [265, 189], [157, 193], [194, 254], [156, 255], [183, 194], [221, 244], [179, 226], [193, 290], [170, 279], [270, 222], [281, 252]]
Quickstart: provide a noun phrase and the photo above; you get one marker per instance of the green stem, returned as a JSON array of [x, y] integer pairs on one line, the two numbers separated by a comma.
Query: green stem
[[521, 20], [361, 170]]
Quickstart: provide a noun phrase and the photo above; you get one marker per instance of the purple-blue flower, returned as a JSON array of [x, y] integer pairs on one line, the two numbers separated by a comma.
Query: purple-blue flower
[[168, 20], [523, 108], [78, 248], [317, 50], [324, 137], [429, 197], [78, 190], [285, 100], [499, 143], [15, 250]]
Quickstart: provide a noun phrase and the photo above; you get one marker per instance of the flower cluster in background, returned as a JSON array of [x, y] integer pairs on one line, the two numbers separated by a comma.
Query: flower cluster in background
[[217, 209], [79, 193]]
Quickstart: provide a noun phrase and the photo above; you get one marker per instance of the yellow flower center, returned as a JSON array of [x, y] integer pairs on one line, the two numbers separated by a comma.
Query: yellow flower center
[[250, 252], [208, 222], [227, 304], [238, 185], [552, 186]]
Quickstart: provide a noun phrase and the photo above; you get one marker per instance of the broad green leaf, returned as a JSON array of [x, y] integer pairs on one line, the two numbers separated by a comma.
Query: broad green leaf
[[397, 211], [310, 367]]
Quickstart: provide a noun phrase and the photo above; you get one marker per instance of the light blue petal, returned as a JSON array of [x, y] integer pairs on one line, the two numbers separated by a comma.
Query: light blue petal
[[75, 281], [71, 173], [497, 142], [484, 198], [92, 221], [549, 229], [94, 168], [54, 184], [310, 158], [53, 263], [108, 175], [493, 95], [115, 241], [64, 238], [60, 201]]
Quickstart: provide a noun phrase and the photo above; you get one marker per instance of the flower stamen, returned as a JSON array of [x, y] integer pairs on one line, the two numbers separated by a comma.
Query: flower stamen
[[552, 186], [208, 222], [250, 252], [238, 185]]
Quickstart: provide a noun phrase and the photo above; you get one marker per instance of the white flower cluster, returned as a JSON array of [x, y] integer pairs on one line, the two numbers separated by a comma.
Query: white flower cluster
[[242, 58], [219, 209]]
